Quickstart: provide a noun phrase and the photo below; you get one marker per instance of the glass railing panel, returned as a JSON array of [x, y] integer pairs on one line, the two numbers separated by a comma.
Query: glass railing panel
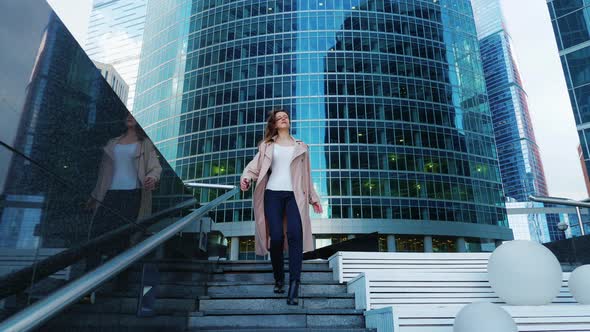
[[77, 174]]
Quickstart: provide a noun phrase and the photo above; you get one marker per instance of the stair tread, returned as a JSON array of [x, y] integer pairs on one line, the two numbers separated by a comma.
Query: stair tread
[[285, 329], [260, 269], [245, 262], [182, 282], [266, 271], [248, 296], [262, 282], [290, 311]]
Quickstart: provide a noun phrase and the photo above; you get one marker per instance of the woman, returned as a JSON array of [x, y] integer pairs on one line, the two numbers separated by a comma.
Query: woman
[[128, 173], [282, 171]]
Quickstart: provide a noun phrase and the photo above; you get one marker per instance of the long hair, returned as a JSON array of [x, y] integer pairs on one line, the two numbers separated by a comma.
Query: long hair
[[141, 135], [271, 128]]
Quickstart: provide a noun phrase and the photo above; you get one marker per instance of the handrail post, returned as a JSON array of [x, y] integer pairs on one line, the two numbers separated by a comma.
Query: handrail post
[[582, 231]]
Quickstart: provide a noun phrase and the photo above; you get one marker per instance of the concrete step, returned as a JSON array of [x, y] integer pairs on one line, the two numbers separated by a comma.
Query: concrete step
[[262, 275], [266, 288], [318, 262], [268, 276], [283, 329], [272, 295], [204, 266], [178, 265], [172, 277], [168, 290], [86, 322], [294, 317], [268, 267], [275, 303], [127, 305]]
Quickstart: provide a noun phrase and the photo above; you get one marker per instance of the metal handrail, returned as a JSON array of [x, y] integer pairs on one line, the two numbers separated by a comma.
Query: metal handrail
[[21, 279], [567, 202], [207, 185], [46, 308], [559, 201]]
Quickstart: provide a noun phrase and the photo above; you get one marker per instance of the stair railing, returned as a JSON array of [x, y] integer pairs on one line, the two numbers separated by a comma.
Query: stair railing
[[46, 308]]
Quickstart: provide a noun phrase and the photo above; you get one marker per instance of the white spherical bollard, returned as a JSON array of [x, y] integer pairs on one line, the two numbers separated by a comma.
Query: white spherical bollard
[[524, 273], [484, 317], [579, 284]]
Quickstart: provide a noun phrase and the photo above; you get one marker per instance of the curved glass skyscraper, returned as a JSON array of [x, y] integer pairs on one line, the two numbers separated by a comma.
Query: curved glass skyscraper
[[389, 95]]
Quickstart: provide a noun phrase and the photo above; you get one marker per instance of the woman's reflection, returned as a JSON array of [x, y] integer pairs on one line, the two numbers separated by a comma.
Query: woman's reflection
[[128, 173]]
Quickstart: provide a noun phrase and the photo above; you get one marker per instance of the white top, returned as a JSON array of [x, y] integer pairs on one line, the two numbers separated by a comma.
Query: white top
[[280, 178], [125, 167]]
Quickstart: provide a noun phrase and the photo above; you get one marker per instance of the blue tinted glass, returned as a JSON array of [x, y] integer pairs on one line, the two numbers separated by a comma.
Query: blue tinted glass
[[574, 28], [557, 36], [579, 66], [583, 102], [64, 135], [563, 7]]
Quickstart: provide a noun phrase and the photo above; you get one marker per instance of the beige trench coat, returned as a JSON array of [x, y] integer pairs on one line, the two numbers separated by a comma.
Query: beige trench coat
[[147, 165], [257, 170]]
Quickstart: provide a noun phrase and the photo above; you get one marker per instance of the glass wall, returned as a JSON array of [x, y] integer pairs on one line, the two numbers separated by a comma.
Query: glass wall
[[409, 243], [571, 25], [444, 244], [76, 172]]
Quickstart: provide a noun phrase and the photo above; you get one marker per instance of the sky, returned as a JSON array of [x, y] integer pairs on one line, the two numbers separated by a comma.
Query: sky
[[536, 53], [551, 112]]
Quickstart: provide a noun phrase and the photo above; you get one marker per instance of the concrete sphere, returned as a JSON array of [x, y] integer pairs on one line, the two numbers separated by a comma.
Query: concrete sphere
[[579, 284], [484, 317], [524, 273]]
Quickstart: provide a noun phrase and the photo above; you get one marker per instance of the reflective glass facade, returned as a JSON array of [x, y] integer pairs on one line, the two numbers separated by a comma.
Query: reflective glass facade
[[389, 95], [114, 37], [58, 116], [571, 25], [115, 80], [527, 223], [520, 162]]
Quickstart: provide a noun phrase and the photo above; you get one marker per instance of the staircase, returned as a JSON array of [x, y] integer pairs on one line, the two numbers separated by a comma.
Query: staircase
[[227, 296]]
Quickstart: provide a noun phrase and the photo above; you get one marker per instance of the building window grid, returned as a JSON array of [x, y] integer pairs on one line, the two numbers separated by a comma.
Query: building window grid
[[321, 178]]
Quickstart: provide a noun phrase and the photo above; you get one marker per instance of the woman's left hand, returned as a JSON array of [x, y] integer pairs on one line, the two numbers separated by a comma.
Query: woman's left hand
[[317, 208], [149, 183]]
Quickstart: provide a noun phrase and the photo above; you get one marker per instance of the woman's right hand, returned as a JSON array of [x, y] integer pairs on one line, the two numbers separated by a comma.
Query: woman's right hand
[[244, 184]]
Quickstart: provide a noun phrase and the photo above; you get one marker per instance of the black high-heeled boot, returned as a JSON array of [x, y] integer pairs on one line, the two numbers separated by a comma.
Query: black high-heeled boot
[[279, 286], [293, 298]]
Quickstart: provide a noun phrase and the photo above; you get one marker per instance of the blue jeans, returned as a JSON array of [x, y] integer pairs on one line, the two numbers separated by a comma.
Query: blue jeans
[[277, 204]]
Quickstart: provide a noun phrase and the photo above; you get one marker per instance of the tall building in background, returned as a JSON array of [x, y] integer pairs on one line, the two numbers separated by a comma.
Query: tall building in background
[[115, 80], [115, 35], [520, 162], [584, 169], [528, 221], [389, 95], [61, 108], [571, 25]]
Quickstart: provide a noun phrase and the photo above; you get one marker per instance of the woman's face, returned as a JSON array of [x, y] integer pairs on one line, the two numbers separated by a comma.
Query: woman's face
[[130, 121], [282, 120]]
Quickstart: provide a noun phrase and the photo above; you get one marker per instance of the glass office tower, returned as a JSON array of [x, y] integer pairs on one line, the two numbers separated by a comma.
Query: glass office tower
[[389, 95], [520, 162], [571, 25]]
